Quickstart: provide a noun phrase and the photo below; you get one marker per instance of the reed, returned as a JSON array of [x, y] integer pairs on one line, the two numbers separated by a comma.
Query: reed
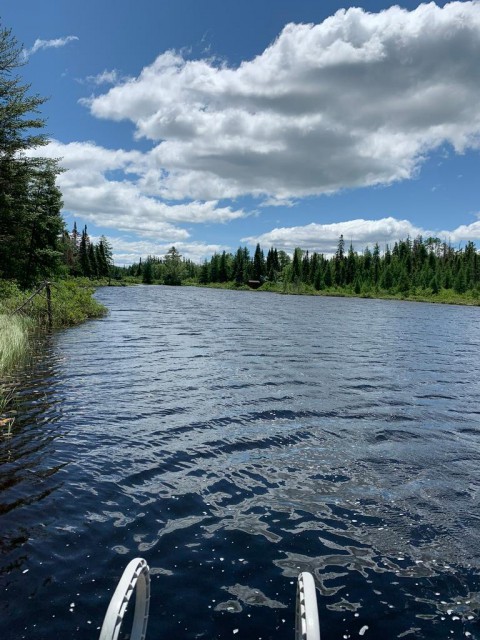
[[13, 341], [13, 349]]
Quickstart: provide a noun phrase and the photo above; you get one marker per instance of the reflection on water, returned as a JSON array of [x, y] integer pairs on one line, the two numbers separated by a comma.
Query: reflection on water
[[234, 440]]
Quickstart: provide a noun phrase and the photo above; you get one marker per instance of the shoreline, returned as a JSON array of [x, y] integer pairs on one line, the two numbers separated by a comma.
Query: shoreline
[[445, 296]]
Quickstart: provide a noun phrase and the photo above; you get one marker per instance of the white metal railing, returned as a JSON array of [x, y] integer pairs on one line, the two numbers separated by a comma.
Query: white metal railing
[[136, 577]]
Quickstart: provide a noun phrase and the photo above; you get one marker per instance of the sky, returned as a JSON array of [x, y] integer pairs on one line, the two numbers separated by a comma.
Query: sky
[[210, 124]]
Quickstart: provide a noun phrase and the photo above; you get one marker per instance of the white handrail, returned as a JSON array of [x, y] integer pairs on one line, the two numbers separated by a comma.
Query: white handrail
[[307, 626], [135, 577]]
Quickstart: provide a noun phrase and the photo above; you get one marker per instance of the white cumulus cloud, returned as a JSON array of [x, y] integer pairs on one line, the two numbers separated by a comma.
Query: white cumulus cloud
[[104, 186], [323, 238], [359, 99], [126, 251]]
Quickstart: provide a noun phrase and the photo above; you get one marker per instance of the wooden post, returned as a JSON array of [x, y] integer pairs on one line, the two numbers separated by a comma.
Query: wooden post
[[49, 304]]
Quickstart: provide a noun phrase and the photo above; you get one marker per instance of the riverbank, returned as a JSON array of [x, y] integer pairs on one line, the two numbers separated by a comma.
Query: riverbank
[[72, 302], [443, 296]]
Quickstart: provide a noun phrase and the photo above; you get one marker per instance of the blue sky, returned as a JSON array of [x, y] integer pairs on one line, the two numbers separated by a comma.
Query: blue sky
[[210, 124]]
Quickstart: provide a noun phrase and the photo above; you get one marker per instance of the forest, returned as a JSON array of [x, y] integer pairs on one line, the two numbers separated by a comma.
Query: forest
[[425, 268]]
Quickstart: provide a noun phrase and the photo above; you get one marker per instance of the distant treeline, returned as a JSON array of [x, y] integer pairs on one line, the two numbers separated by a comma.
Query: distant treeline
[[423, 265]]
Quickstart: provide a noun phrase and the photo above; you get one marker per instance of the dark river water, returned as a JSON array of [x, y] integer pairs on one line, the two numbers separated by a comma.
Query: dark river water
[[233, 440]]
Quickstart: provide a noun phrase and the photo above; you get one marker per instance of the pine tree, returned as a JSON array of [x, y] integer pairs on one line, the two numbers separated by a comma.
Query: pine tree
[[31, 225], [173, 267], [259, 270], [92, 259], [460, 283], [83, 257], [223, 268], [103, 268], [147, 275], [297, 266]]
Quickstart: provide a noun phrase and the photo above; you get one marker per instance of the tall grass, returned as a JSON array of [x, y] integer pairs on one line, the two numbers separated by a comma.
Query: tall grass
[[13, 349], [71, 303], [13, 340]]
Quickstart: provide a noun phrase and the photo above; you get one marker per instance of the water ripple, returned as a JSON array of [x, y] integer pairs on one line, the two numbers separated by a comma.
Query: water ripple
[[235, 445]]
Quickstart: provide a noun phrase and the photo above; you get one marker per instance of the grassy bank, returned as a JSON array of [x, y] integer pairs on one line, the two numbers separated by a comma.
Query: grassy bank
[[443, 296], [13, 340], [71, 303]]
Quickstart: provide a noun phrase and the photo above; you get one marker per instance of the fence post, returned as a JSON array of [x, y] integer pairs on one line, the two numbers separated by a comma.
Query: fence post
[[49, 303]]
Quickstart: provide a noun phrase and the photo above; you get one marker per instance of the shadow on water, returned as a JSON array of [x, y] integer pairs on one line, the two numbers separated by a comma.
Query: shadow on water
[[234, 440]]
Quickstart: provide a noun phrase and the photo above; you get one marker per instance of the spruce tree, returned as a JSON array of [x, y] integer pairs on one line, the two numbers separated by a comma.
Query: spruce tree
[[83, 257], [259, 270], [147, 275], [31, 225], [297, 266], [173, 267]]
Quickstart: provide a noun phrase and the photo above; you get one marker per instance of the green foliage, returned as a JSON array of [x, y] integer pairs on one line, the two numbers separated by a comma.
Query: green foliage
[[173, 268], [147, 275], [415, 270], [72, 303], [30, 203], [13, 340]]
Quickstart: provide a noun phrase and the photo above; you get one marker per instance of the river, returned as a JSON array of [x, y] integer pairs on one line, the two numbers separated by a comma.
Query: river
[[234, 439]]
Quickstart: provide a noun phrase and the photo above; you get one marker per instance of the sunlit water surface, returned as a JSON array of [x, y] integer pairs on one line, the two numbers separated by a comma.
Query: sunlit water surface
[[234, 440]]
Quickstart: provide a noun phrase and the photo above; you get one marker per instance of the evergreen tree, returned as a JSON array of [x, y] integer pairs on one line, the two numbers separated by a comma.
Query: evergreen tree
[[223, 268], [103, 268], [327, 276], [31, 226], [107, 253], [215, 268], [204, 277], [43, 227], [376, 264], [147, 272], [83, 255], [259, 270], [460, 284], [92, 259], [272, 265], [173, 267], [318, 280], [239, 267], [297, 266], [350, 268], [339, 264]]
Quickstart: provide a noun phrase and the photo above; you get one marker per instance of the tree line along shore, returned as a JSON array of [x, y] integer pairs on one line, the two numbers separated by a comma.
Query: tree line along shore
[[419, 269]]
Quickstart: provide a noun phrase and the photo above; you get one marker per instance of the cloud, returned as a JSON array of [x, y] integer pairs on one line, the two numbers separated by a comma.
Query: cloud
[[359, 99], [104, 186], [323, 238], [106, 77], [129, 251], [49, 44]]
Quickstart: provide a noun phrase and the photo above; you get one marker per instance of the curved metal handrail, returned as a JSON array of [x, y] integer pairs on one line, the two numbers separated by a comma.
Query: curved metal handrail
[[307, 626], [136, 577]]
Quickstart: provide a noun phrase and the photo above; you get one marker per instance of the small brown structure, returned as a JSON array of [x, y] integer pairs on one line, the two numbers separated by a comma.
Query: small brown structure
[[254, 284]]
